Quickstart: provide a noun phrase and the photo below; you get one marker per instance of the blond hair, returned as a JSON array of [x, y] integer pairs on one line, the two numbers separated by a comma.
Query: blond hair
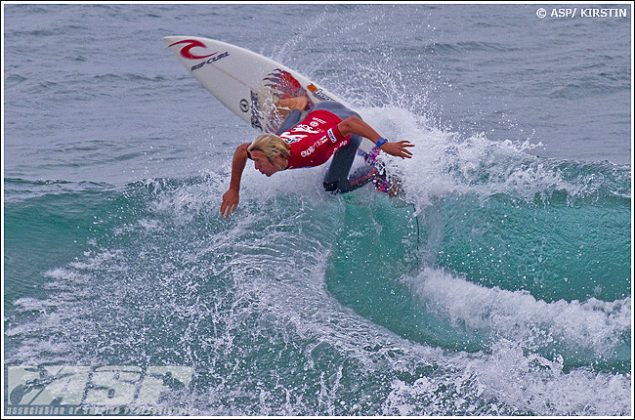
[[271, 146]]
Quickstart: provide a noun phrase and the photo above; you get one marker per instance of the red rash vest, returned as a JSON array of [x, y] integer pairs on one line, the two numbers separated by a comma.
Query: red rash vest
[[314, 140]]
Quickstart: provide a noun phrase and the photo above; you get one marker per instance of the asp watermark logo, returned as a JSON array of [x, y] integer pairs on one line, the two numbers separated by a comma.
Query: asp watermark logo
[[581, 12], [70, 390]]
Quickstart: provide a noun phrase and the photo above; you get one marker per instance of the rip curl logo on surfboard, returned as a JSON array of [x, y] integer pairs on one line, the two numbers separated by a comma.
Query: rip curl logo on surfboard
[[186, 52]]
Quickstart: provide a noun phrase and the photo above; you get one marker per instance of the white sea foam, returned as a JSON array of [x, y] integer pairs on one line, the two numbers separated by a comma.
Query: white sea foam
[[516, 315], [445, 162]]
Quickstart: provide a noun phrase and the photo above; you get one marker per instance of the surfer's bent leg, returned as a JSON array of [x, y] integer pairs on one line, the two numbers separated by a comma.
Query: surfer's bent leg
[[336, 179], [336, 108]]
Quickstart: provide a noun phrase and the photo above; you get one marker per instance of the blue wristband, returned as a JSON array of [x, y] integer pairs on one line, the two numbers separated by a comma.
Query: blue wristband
[[381, 142]]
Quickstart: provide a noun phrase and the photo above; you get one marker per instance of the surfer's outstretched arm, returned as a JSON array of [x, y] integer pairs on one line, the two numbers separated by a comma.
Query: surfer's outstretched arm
[[231, 197], [355, 125]]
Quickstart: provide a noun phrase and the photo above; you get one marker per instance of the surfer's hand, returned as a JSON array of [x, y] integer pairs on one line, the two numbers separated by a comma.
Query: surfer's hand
[[299, 103], [398, 148], [230, 202]]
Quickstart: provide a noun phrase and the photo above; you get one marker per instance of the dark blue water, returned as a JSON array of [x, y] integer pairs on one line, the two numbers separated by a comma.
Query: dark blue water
[[499, 284]]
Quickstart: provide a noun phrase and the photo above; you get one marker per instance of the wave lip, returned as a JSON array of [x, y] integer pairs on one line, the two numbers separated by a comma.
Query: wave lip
[[586, 330]]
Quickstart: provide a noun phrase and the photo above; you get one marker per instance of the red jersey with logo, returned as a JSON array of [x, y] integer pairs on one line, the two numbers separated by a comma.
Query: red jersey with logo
[[314, 140]]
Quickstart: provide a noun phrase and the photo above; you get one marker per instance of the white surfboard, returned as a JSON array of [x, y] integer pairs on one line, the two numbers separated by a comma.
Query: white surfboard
[[247, 83]]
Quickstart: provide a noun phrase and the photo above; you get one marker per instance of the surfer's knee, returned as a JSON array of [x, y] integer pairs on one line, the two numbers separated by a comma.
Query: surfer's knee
[[349, 124], [336, 108]]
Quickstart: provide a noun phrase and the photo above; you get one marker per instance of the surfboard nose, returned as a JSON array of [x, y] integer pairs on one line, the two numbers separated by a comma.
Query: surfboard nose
[[169, 40]]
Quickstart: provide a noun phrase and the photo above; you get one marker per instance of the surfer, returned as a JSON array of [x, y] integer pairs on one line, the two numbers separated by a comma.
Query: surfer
[[329, 129]]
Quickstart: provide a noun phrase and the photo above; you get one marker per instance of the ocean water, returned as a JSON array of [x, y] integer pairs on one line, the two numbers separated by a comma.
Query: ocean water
[[499, 284]]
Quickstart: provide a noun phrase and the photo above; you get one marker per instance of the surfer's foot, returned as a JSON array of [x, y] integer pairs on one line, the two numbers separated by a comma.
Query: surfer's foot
[[389, 184]]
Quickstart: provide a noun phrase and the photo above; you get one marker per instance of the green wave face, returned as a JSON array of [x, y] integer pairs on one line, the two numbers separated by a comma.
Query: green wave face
[[357, 284]]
